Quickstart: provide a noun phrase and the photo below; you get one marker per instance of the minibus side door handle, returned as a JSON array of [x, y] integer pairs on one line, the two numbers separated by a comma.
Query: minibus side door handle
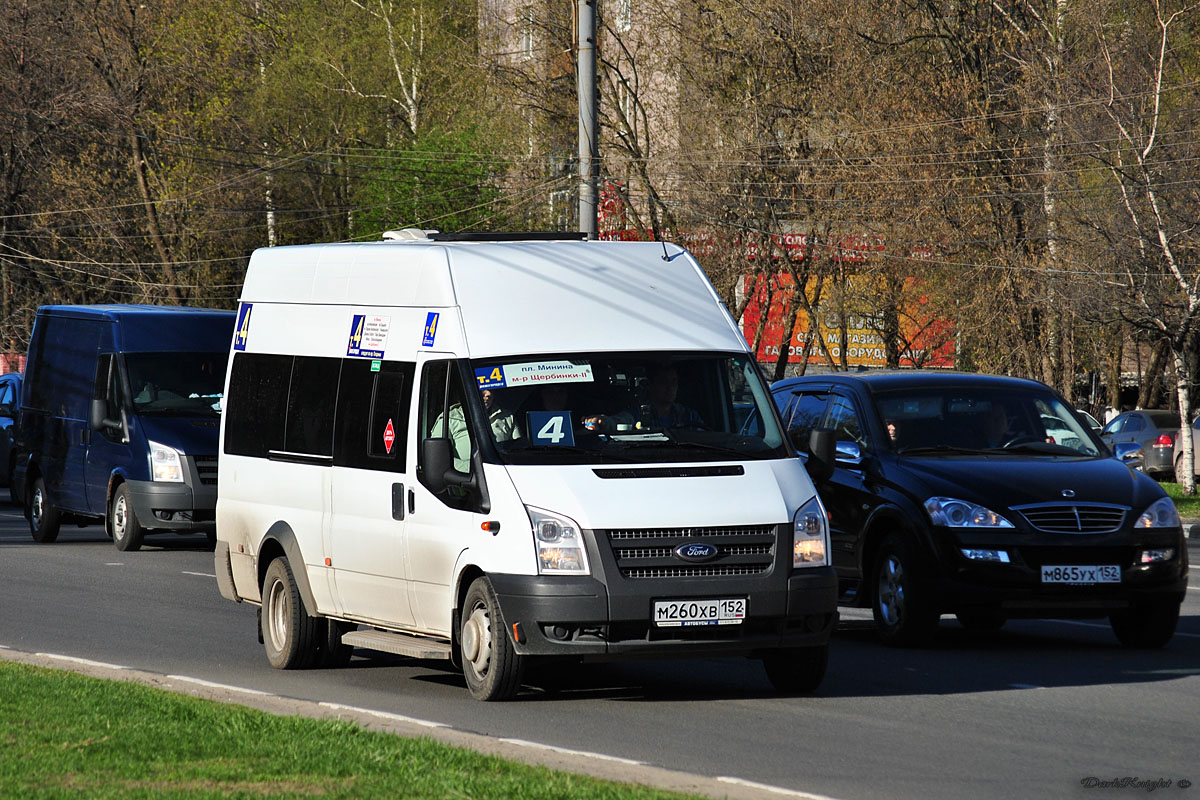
[[398, 501]]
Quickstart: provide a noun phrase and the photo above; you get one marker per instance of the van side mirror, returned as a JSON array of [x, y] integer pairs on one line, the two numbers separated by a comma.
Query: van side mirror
[[100, 421], [822, 445]]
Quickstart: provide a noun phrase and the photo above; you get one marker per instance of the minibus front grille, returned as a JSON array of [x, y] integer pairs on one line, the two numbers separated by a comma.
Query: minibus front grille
[[655, 552], [206, 469]]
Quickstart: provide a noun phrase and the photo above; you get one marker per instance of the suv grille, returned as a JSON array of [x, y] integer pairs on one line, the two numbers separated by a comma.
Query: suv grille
[[206, 468], [1070, 518], [650, 553]]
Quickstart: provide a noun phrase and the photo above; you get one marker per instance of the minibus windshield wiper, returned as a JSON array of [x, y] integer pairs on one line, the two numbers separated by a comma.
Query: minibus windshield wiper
[[590, 452]]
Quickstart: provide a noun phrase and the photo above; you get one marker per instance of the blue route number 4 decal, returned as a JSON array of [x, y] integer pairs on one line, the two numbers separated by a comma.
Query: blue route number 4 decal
[[551, 428]]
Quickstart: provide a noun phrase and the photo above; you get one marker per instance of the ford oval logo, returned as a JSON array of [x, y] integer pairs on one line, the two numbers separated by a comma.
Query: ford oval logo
[[696, 551]]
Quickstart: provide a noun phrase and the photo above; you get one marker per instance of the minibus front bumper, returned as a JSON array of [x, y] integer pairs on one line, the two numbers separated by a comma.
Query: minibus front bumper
[[581, 616]]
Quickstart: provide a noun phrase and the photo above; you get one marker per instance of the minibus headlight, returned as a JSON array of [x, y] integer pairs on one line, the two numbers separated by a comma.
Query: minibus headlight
[[165, 463], [1160, 514], [810, 535], [559, 544]]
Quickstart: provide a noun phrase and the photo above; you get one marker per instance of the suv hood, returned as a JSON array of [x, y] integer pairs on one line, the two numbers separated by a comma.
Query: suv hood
[[998, 482]]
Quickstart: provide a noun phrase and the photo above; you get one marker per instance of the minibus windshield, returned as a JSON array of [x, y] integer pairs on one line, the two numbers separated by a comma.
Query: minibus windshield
[[643, 407], [177, 383]]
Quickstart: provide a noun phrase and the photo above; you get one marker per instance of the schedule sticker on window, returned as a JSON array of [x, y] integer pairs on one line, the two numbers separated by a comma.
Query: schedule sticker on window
[[368, 336]]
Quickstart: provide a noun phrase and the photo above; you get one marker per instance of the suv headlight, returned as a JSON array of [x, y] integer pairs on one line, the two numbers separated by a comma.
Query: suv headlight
[[953, 513], [165, 463], [1160, 514], [810, 535], [559, 544]]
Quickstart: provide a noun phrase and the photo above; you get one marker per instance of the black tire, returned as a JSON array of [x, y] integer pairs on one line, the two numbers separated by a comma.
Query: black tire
[[127, 531], [903, 609], [1146, 627], [331, 652], [290, 634], [799, 670], [981, 620], [492, 669], [44, 518]]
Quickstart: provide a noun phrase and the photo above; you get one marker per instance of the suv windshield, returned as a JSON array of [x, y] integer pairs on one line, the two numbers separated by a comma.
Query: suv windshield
[[627, 408], [177, 383], [987, 419]]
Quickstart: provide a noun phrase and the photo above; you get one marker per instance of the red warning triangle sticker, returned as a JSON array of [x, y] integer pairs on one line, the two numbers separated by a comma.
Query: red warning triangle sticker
[[389, 437]]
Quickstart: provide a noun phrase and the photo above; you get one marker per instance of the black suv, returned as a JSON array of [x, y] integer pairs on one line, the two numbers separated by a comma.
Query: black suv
[[986, 497]]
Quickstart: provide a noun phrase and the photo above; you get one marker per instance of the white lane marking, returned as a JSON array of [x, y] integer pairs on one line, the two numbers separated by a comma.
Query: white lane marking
[[1102, 625], [85, 661], [384, 715], [115, 564], [766, 787], [565, 751], [200, 574], [212, 685]]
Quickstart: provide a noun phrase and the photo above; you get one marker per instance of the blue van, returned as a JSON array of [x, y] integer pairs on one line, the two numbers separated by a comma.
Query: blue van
[[120, 420]]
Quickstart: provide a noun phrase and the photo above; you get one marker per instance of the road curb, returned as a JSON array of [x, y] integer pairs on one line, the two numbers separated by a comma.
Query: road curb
[[594, 765]]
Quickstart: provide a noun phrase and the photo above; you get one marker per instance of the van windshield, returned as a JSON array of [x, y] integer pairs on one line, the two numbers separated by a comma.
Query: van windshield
[[177, 383], [645, 407]]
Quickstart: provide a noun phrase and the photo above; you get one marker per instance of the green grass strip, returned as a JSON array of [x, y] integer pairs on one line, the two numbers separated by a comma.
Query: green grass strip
[[64, 735]]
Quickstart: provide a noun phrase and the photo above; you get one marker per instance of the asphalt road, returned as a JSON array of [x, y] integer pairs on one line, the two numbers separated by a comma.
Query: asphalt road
[[1033, 711]]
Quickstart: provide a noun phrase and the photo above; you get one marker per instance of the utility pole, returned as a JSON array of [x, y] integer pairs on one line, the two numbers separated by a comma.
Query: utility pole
[[585, 87]]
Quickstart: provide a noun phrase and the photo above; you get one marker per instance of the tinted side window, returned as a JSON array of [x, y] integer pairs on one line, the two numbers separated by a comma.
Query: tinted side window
[[1133, 424], [255, 411], [844, 419], [64, 365], [312, 397], [804, 414], [368, 402]]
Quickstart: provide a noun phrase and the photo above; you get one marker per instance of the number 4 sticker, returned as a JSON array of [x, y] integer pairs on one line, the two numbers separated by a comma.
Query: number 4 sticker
[[241, 333], [551, 428]]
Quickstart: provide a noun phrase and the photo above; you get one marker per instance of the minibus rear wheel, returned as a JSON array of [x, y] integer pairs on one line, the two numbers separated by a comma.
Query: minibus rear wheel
[[289, 633], [492, 668]]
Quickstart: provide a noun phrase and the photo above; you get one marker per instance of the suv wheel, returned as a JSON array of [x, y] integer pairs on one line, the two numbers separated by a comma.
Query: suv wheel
[[903, 609], [1148, 626]]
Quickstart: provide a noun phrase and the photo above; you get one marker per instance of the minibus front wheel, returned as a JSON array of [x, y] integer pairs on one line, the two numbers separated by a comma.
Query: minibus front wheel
[[289, 633], [490, 665], [127, 531]]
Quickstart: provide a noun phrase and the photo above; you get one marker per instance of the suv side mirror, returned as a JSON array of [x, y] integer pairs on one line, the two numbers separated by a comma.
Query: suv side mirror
[[1130, 453], [822, 447]]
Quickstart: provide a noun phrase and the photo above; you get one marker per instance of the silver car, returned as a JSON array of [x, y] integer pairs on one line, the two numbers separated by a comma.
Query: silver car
[[1155, 430]]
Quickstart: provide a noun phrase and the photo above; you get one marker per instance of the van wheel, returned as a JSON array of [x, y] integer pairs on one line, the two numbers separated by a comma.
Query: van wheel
[[491, 667], [1147, 626], [903, 610], [44, 518], [127, 532], [290, 634], [799, 670]]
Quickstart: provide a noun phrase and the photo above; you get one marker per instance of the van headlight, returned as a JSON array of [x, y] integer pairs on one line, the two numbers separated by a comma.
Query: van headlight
[[952, 513], [559, 544], [1160, 514], [810, 535], [165, 463]]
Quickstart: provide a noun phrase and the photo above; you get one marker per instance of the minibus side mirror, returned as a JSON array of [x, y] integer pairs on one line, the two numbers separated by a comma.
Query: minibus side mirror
[[822, 448], [437, 465]]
